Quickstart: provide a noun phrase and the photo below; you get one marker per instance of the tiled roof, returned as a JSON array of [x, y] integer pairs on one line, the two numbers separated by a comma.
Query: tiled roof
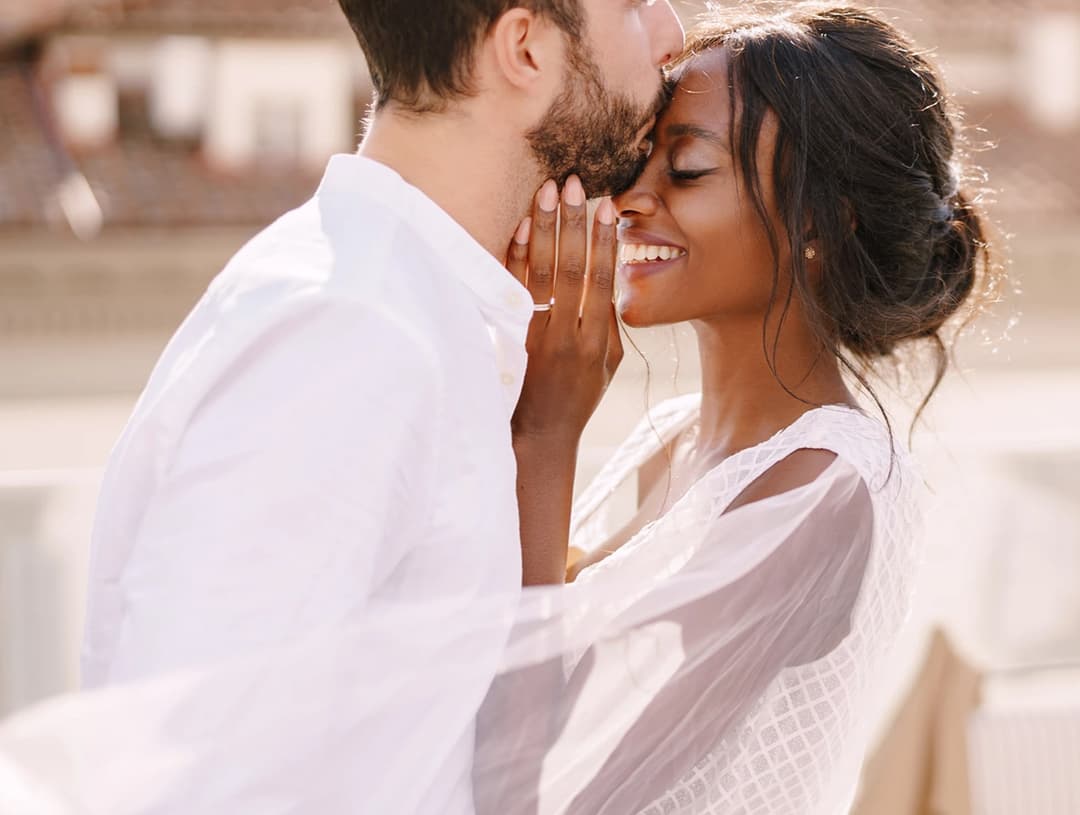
[[28, 168], [140, 184], [22, 19], [137, 181], [141, 181], [228, 17]]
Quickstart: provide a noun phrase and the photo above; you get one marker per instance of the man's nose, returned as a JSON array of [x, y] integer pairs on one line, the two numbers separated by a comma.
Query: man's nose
[[668, 37]]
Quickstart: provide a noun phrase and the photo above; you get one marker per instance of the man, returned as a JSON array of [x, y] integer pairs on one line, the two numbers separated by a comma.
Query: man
[[327, 436]]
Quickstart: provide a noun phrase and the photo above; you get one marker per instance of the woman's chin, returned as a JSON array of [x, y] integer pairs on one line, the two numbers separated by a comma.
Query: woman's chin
[[633, 312]]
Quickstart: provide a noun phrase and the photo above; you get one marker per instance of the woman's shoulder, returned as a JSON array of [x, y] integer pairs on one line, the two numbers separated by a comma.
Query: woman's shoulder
[[796, 469], [865, 441], [828, 439]]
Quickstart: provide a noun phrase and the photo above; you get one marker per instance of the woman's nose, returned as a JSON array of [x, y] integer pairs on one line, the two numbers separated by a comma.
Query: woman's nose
[[638, 200]]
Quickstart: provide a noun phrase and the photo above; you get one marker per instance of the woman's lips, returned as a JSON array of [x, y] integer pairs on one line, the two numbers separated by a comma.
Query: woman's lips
[[630, 272], [631, 268]]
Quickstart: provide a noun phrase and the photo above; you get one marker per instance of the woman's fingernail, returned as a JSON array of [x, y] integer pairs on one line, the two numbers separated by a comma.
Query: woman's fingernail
[[522, 234], [606, 212], [573, 192], [549, 196]]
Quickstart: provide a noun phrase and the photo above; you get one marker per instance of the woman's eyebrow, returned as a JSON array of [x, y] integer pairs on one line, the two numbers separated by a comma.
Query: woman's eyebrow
[[697, 132]]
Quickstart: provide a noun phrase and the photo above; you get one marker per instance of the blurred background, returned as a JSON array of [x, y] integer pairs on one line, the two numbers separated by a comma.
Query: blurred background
[[143, 141]]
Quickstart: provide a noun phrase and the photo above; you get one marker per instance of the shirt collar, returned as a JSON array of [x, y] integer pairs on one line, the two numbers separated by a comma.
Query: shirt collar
[[350, 177]]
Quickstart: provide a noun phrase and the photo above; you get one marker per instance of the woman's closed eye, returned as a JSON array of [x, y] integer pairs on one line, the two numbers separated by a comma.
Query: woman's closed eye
[[690, 173]]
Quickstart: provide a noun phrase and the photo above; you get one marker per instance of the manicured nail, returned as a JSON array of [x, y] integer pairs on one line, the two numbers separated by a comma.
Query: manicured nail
[[605, 213], [522, 234], [573, 192], [549, 196]]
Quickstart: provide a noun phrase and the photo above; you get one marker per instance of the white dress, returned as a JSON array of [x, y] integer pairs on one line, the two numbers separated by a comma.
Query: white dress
[[767, 708]]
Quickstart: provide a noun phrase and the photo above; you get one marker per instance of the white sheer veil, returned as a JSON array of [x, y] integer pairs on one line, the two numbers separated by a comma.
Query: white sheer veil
[[723, 662]]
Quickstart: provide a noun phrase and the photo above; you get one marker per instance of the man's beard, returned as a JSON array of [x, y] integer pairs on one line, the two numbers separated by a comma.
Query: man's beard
[[592, 131]]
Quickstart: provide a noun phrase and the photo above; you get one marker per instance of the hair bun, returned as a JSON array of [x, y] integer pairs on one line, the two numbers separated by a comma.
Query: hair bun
[[953, 267]]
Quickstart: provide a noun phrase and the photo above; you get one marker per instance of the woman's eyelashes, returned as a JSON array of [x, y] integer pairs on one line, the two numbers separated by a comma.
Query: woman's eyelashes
[[678, 175], [686, 165]]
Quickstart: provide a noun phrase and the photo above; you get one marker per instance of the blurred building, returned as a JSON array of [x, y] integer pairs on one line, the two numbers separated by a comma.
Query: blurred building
[[141, 142], [1014, 66]]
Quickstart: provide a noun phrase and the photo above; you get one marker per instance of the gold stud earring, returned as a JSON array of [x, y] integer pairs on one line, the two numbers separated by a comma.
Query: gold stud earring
[[810, 253]]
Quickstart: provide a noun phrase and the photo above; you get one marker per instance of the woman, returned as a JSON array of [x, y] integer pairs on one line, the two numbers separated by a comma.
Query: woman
[[802, 209]]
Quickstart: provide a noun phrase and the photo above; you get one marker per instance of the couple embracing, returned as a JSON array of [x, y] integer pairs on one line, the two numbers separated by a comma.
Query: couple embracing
[[343, 507]]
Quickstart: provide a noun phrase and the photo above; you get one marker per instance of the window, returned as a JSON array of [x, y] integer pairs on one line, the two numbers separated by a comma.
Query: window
[[279, 127], [280, 101]]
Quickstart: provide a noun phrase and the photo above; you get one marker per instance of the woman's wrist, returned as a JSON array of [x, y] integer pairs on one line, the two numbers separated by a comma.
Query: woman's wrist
[[554, 446]]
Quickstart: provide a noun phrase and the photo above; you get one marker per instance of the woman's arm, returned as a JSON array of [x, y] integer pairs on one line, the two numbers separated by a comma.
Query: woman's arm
[[545, 491], [574, 349]]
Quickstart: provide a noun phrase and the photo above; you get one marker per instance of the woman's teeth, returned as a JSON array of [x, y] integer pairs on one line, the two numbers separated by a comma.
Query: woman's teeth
[[642, 253]]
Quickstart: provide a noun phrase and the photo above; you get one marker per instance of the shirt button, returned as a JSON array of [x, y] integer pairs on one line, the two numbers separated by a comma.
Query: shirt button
[[512, 298], [508, 379]]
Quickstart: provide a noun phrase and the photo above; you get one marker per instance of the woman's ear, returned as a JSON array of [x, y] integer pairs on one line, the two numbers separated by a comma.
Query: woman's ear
[[811, 251], [849, 211]]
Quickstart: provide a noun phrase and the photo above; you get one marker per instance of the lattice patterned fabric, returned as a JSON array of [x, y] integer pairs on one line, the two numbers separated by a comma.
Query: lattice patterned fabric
[[798, 747]]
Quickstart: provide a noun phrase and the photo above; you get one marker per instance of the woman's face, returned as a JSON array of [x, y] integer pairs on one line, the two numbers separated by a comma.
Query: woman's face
[[692, 246]]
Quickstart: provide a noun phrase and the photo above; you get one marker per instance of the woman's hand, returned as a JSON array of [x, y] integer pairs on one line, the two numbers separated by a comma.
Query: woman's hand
[[574, 349]]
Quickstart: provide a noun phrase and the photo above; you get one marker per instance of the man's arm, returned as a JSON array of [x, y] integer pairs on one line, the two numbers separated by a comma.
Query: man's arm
[[291, 491]]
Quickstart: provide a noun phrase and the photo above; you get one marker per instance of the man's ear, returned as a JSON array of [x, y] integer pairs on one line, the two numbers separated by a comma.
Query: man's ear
[[524, 46]]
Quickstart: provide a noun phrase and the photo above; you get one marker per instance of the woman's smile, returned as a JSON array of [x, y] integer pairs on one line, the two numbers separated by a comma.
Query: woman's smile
[[643, 254]]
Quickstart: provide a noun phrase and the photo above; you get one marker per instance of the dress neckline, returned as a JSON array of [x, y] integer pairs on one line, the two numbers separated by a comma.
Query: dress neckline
[[689, 408], [680, 412]]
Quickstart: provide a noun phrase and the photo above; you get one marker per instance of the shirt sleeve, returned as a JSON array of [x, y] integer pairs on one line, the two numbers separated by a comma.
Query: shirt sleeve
[[295, 486]]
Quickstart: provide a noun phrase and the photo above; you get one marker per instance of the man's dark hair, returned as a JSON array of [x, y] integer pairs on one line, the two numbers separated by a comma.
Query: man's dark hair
[[420, 54]]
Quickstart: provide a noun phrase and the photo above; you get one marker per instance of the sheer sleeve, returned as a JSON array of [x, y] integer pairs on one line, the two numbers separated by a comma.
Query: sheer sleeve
[[771, 587]]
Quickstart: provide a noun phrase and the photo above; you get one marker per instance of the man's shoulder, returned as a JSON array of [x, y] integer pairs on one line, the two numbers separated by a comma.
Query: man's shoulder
[[373, 256], [299, 283]]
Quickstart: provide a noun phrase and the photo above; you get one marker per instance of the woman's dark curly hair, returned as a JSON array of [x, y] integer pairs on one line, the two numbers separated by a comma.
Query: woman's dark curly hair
[[869, 154]]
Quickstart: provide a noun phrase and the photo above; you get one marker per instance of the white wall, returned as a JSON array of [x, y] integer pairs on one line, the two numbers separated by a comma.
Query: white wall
[[86, 108], [1050, 68], [314, 78], [44, 531], [181, 76]]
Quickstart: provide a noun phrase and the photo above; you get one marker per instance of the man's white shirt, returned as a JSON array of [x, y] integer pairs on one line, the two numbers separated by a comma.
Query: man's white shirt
[[325, 438]]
